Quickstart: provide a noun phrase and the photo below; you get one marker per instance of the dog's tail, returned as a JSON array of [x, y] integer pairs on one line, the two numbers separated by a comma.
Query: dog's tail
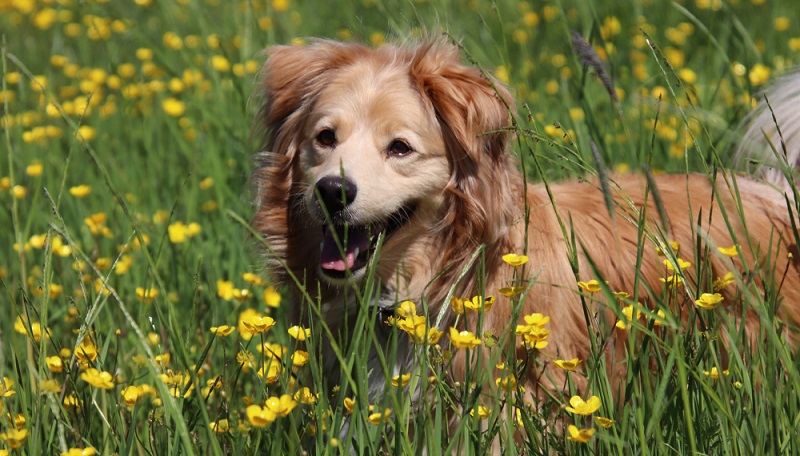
[[770, 147]]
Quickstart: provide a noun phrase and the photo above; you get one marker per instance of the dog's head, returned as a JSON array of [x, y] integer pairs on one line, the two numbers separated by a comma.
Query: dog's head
[[393, 144]]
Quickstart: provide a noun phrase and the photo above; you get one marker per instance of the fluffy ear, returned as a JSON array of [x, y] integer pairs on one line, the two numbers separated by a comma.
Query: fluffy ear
[[291, 79], [474, 113]]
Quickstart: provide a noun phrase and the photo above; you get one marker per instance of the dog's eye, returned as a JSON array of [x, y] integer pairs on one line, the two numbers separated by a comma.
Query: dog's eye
[[399, 148], [326, 138]]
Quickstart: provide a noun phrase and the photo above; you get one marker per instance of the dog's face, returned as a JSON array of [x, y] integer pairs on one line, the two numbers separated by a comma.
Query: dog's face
[[377, 146], [374, 158]]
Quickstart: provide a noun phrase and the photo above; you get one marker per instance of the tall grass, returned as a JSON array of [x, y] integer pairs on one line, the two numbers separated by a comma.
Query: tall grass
[[148, 104]]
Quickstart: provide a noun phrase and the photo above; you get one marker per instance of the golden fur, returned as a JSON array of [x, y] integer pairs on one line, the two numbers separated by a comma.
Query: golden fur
[[466, 191]]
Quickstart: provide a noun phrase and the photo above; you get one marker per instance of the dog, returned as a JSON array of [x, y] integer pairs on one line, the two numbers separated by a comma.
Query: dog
[[407, 147]]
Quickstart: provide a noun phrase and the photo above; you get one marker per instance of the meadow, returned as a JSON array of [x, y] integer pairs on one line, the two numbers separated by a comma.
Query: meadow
[[139, 322]]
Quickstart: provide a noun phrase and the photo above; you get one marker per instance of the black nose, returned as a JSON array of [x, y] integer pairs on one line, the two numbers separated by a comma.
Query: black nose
[[335, 193]]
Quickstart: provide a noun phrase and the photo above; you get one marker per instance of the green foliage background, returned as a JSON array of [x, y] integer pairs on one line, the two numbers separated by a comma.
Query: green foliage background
[[162, 94]]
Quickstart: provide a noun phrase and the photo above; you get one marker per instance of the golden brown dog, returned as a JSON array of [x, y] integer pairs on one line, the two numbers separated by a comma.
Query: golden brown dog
[[407, 145]]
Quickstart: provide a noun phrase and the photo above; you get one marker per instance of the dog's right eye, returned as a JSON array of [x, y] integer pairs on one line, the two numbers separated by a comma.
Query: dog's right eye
[[326, 138]]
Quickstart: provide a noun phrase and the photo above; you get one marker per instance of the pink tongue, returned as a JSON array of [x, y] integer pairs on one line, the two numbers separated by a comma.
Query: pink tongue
[[330, 257]]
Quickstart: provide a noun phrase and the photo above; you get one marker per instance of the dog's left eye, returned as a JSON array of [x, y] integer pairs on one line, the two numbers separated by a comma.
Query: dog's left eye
[[399, 148]]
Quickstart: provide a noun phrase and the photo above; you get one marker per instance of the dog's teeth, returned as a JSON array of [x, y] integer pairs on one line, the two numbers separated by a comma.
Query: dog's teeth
[[321, 244], [355, 253]]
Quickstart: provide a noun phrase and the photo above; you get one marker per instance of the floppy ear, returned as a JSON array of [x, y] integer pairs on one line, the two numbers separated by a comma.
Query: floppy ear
[[290, 81], [473, 112]]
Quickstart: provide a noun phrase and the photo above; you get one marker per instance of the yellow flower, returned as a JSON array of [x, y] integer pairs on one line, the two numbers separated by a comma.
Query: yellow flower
[[252, 279], [97, 378], [592, 286], [675, 246], [731, 251], [271, 297], [515, 260], [581, 407], [709, 301], [220, 63], [86, 351], [178, 232], [672, 280], [260, 416], [19, 192], [478, 302], [281, 406], [5, 387], [681, 264], [759, 74], [206, 183], [483, 412], [579, 435], [463, 339], [80, 191], [457, 304], [131, 395], [406, 309], [627, 316], [299, 333], [280, 5], [299, 358], [536, 319], [220, 426], [146, 295], [14, 438], [49, 386], [510, 292], [225, 289], [257, 324], [714, 374], [722, 282], [568, 364], [604, 422], [54, 364], [34, 169], [377, 418], [305, 396], [173, 107], [349, 404], [533, 336], [222, 331], [401, 380], [428, 336], [86, 133]]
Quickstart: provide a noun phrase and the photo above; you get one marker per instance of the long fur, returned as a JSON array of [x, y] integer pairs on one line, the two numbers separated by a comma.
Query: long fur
[[480, 203]]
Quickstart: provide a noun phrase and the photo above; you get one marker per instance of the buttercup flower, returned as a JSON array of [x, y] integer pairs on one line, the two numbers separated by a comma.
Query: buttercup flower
[[581, 407], [478, 302], [271, 297], [714, 373], [97, 378], [568, 364], [731, 251], [709, 301], [376, 418], [5, 387], [483, 412], [681, 264], [592, 286], [260, 416], [724, 281], [604, 422], [401, 380], [463, 339], [579, 435], [299, 333], [281, 406], [257, 324], [222, 331], [515, 260]]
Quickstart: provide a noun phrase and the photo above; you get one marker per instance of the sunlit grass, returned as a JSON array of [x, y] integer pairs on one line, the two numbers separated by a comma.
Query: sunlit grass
[[137, 321]]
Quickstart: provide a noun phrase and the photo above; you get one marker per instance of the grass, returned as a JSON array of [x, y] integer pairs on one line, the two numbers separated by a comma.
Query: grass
[[149, 105]]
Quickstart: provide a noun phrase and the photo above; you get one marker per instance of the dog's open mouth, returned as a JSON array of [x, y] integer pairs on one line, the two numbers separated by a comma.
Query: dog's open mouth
[[357, 243]]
